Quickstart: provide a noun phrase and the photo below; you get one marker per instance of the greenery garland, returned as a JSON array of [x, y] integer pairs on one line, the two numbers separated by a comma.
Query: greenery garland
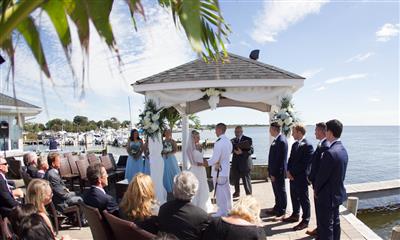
[[151, 120], [286, 116]]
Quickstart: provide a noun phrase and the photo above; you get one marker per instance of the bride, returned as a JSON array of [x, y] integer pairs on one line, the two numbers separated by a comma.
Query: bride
[[195, 155]]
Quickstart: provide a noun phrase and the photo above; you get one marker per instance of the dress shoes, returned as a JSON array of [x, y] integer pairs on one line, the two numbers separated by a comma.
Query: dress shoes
[[312, 232], [302, 225], [236, 195], [291, 219]]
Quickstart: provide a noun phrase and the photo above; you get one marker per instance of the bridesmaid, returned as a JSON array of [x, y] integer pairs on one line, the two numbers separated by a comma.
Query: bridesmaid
[[135, 159], [146, 158], [170, 164]]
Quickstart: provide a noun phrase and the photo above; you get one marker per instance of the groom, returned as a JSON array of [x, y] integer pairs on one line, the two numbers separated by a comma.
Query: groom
[[220, 162]]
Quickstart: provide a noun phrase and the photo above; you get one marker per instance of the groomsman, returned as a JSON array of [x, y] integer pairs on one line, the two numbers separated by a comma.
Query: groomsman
[[298, 165], [320, 134], [328, 186], [241, 162], [220, 166], [277, 162]]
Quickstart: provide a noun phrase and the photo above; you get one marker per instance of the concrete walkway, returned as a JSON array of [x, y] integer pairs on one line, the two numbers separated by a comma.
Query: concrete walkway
[[352, 228]]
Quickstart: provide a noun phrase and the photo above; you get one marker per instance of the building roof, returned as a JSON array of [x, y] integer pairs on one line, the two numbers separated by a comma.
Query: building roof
[[12, 102], [234, 68]]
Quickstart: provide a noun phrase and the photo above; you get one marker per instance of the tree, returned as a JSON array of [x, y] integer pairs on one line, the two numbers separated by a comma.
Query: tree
[[173, 117], [54, 124], [100, 124], [201, 20], [125, 124], [33, 127]]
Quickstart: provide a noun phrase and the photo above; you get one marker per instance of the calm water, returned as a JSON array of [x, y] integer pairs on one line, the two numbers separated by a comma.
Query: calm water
[[381, 221]]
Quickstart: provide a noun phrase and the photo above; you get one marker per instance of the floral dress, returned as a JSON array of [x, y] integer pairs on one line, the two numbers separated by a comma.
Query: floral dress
[[171, 168]]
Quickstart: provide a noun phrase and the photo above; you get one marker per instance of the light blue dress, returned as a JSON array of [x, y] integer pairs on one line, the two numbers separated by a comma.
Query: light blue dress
[[171, 168], [133, 166], [146, 164]]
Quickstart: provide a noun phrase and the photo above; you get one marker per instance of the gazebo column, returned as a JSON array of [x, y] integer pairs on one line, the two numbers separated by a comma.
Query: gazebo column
[[185, 135]]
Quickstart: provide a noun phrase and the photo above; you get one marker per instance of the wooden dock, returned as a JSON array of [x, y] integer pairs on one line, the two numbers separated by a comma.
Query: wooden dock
[[352, 228], [374, 189]]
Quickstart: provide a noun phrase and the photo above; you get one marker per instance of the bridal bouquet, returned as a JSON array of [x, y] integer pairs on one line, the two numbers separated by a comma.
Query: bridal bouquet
[[151, 120], [134, 149], [286, 116]]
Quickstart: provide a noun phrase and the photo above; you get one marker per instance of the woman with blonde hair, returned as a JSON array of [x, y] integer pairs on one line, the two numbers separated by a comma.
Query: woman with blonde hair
[[139, 203], [39, 194], [243, 222]]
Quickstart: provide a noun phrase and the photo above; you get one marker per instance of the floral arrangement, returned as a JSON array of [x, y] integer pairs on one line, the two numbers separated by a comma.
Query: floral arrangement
[[151, 120], [213, 95], [167, 147], [133, 149], [286, 116]]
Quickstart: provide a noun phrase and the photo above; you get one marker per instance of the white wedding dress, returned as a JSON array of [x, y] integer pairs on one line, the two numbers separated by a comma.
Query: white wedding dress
[[202, 198]]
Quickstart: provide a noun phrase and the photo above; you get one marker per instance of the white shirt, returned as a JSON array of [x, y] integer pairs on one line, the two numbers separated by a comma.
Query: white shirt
[[222, 154], [331, 143]]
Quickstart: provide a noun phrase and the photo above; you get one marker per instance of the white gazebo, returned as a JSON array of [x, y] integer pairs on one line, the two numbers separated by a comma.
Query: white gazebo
[[197, 86]]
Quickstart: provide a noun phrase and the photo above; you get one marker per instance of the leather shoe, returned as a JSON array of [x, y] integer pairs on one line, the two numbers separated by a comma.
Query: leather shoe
[[312, 232], [291, 219], [236, 195], [302, 225], [270, 211]]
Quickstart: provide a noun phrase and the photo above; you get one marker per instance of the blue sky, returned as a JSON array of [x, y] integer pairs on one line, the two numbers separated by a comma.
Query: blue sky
[[347, 50]]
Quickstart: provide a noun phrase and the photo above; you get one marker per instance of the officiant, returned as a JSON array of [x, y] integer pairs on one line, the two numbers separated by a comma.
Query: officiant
[[241, 162]]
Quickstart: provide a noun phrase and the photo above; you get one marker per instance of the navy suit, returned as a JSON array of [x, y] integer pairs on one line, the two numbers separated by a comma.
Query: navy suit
[[277, 162], [241, 166], [96, 198], [298, 165], [316, 159], [7, 201], [329, 190]]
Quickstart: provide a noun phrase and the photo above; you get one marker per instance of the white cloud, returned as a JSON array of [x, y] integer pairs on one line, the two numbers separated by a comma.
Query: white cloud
[[277, 16], [310, 73], [244, 43], [387, 31], [374, 99], [345, 78], [320, 89], [360, 57]]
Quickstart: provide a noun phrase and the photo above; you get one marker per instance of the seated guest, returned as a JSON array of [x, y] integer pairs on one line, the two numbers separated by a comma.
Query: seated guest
[[34, 227], [30, 161], [96, 196], [62, 196], [42, 166], [139, 203], [7, 196], [180, 217], [243, 222], [18, 213], [39, 194]]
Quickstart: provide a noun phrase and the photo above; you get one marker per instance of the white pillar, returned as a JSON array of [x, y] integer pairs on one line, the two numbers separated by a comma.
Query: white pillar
[[185, 134]]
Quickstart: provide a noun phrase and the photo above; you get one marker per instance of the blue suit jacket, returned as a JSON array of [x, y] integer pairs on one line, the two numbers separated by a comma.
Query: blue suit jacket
[[7, 201], [277, 158], [329, 184], [96, 198], [316, 159], [300, 160]]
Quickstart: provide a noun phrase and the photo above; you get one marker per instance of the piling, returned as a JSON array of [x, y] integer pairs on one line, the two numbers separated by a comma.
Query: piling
[[352, 205], [395, 233]]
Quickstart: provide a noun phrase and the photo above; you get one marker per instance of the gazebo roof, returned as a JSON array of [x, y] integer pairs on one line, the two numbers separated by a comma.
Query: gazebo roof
[[9, 105], [234, 68]]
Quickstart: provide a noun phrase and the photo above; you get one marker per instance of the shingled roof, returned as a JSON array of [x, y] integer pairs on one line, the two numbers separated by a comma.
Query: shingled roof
[[10, 101], [234, 68]]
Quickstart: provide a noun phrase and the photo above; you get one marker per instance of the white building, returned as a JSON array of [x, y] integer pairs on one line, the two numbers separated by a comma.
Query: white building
[[10, 109]]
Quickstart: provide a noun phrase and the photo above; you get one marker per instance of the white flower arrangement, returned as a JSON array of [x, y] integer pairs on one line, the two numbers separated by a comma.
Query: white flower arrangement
[[151, 120], [286, 116], [212, 96]]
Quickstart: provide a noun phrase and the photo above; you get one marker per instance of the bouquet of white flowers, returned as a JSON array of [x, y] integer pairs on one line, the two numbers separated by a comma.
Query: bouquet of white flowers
[[212, 96], [286, 116], [167, 147], [151, 120]]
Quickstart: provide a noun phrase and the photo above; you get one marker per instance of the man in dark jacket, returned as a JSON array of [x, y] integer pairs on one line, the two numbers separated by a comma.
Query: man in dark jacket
[[96, 196], [297, 172], [277, 161], [62, 196], [241, 161], [7, 195], [329, 184], [320, 134]]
